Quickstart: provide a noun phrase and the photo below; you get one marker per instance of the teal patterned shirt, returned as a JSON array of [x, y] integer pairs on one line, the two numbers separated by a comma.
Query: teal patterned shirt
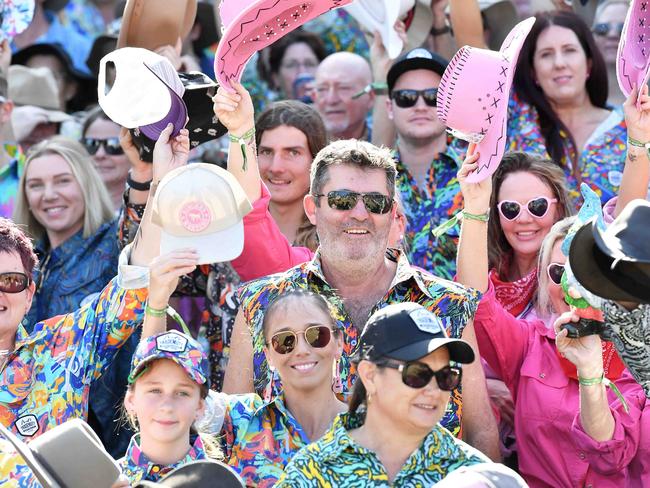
[[336, 460]]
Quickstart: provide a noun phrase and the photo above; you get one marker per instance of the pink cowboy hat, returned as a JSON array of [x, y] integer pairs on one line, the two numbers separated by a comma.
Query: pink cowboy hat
[[633, 61], [252, 25], [478, 111]]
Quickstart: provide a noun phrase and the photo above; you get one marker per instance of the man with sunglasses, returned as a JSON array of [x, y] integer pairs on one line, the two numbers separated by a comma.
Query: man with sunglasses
[[351, 203], [427, 159]]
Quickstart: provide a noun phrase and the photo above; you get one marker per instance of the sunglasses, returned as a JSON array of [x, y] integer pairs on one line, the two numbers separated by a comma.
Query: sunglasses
[[317, 336], [111, 145], [408, 98], [606, 27], [555, 272], [537, 207], [346, 200], [13, 282], [418, 375]]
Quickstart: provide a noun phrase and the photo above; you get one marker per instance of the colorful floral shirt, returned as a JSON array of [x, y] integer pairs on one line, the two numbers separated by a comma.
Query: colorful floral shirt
[[336, 460], [14, 471], [136, 466], [9, 179], [426, 208], [453, 303], [600, 163], [217, 282], [259, 438], [48, 375]]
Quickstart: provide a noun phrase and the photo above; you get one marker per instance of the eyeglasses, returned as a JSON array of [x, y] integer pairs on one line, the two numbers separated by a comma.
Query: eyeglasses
[[111, 145], [606, 27], [317, 336], [555, 272], [418, 375], [537, 207], [13, 282], [376, 203], [408, 98], [295, 64]]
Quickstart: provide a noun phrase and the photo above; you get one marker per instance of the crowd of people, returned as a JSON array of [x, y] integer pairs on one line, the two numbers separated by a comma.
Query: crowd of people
[[303, 280]]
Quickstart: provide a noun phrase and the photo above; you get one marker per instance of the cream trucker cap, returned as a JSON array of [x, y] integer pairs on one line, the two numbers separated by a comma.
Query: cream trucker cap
[[201, 206]]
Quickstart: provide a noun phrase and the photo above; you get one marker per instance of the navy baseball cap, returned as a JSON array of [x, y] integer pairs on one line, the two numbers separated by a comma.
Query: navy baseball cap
[[418, 58]]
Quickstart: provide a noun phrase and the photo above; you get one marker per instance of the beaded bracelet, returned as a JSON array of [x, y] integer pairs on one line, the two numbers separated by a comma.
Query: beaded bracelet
[[609, 384], [242, 141]]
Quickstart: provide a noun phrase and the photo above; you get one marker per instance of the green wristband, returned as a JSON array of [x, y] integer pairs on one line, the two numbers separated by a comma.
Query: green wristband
[[242, 141], [484, 217], [155, 312], [609, 384]]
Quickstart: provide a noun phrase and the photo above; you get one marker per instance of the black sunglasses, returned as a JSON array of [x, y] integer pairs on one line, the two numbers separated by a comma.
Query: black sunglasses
[[606, 27], [408, 98], [111, 145], [346, 200], [555, 272], [418, 375], [317, 336], [13, 282]]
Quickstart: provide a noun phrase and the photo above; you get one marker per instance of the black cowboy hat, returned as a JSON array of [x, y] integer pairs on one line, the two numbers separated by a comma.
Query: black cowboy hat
[[615, 263], [198, 474]]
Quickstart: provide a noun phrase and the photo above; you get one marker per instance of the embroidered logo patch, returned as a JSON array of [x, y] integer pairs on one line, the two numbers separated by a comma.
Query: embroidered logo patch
[[195, 216], [171, 342], [426, 321], [27, 425]]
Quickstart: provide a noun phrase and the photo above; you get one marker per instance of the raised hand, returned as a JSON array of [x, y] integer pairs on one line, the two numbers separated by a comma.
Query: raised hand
[[475, 195], [584, 352], [637, 116], [164, 273], [234, 110], [169, 152]]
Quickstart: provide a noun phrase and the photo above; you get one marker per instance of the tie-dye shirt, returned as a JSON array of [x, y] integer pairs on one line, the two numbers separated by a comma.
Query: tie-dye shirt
[[600, 163], [9, 179], [453, 303], [136, 466], [426, 208], [336, 460], [48, 375], [259, 438]]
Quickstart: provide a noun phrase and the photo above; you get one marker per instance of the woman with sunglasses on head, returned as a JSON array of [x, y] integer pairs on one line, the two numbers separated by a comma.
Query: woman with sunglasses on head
[[260, 435], [101, 138], [557, 389], [407, 366]]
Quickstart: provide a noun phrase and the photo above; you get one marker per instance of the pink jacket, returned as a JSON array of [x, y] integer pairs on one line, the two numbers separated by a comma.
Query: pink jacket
[[266, 250], [554, 450]]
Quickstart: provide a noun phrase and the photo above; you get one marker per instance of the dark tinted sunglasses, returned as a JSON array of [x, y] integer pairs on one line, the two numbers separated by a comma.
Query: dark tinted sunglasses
[[111, 145], [606, 27], [346, 200], [408, 98], [317, 336], [418, 375], [537, 207], [555, 272], [13, 282]]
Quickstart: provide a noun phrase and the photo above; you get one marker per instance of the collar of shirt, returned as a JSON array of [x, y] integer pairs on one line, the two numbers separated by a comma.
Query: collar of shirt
[[16, 165], [138, 466]]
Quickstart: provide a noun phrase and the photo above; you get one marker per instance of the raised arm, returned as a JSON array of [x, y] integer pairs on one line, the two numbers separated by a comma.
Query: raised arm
[[466, 22], [239, 372]]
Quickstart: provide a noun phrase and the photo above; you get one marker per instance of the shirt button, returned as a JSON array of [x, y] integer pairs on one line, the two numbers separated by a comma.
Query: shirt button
[[155, 469], [542, 375], [581, 455]]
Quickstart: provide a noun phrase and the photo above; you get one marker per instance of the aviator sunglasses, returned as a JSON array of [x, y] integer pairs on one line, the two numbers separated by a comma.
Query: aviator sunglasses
[[346, 200], [555, 272], [418, 375], [317, 336], [408, 98], [111, 145], [536, 207], [13, 282]]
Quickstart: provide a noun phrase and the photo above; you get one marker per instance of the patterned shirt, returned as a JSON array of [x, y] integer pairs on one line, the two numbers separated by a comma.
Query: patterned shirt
[[14, 471], [136, 466], [426, 208], [336, 460], [48, 375], [259, 438], [9, 180], [600, 163], [454, 304]]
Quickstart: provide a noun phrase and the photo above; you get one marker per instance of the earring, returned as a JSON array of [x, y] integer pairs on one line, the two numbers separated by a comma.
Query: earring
[[368, 398], [337, 384], [268, 391]]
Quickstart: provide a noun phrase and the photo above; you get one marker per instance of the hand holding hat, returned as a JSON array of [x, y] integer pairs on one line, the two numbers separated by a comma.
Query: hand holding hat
[[380, 58], [584, 352], [164, 272], [234, 110], [170, 152], [637, 114], [476, 195]]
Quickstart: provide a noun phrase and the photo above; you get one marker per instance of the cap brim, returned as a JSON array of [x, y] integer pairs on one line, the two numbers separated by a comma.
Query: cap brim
[[177, 116], [203, 473], [216, 247], [459, 350], [195, 375]]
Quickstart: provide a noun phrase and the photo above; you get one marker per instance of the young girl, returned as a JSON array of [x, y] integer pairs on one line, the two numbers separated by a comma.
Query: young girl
[[167, 388]]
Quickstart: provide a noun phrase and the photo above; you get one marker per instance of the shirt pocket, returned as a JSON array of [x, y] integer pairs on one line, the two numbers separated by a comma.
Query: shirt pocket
[[543, 390]]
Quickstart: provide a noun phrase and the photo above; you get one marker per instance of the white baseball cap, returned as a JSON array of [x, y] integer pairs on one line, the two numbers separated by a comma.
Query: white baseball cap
[[201, 206]]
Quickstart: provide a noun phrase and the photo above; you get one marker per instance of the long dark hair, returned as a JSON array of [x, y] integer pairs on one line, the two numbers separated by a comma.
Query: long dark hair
[[530, 92]]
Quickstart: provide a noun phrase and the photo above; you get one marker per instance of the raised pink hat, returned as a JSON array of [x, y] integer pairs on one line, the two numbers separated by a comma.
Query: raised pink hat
[[252, 25], [633, 60], [473, 97]]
